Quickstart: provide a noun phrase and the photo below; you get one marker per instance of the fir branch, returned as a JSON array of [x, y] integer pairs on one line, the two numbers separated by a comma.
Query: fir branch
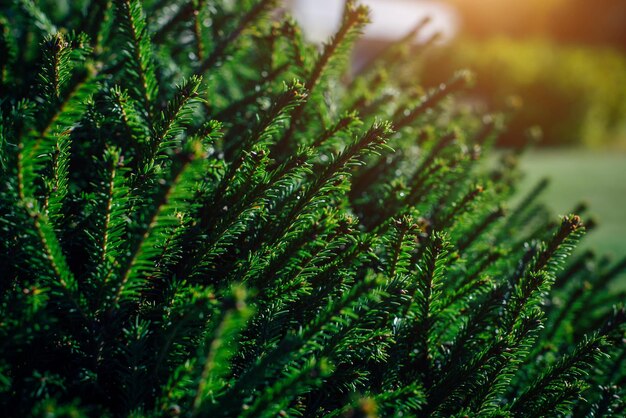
[[371, 141], [222, 347], [58, 183], [261, 133], [52, 251], [422, 314], [137, 48], [244, 207], [554, 380], [343, 124], [174, 118], [127, 112], [354, 19], [409, 399], [39, 18], [56, 70], [63, 107], [402, 238], [459, 207], [480, 229], [405, 117], [561, 244], [112, 227], [239, 106], [223, 45], [136, 270], [126, 226], [294, 341], [611, 403], [296, 382]]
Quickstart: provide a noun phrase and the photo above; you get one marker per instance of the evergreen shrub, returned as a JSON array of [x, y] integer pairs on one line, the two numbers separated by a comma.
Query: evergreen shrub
[[202, 215]]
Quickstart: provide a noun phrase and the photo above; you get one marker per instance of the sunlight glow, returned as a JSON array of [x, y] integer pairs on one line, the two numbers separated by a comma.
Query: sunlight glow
[[391, 19]]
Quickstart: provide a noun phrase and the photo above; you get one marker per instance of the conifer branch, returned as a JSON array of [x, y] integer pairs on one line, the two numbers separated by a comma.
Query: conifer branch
[[58, 184], [220, 350], [52, 250], [134, 128], [62, 108], [401, 241], [373, 140], [263, 132], [273, 398], [133, 274], [424, 309], [354, 19], [113, 225], [38, 17], [479, 229], [174, 118], [223, 45], [380, 284], [137, 47], [555, 378], [405, 117]]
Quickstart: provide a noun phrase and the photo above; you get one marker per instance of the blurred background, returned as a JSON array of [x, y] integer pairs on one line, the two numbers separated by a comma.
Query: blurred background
[[563, 61]]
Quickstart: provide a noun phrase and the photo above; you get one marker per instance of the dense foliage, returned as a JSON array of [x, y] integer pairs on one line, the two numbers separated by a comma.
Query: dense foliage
[[201, 215]]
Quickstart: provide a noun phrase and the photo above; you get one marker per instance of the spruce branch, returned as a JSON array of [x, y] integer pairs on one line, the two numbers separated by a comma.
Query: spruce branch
[[405, 117], [263, 133], [127, 111], [223, 45], [295, 340], [112, 226], [408, 399], [296, 382], [52, 251], [139, 266], [175, 117], [378, 281], [63, 101], [58, 183], [402, 240], [222, 347], [136, 47], [370, 142], [556, 379], [355, 17], [39, 18], [422, 313]]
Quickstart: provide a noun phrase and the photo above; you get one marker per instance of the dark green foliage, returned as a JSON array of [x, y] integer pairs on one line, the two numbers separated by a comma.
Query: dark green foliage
[[202, 216]]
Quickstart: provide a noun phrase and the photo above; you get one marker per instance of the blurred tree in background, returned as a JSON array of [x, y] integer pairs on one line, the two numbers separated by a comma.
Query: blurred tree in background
[[578, 21], [592, 22], [565, 60], [575, 94]]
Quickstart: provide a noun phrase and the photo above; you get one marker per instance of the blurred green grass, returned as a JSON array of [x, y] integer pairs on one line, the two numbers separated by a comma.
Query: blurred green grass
[[596, 178]]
